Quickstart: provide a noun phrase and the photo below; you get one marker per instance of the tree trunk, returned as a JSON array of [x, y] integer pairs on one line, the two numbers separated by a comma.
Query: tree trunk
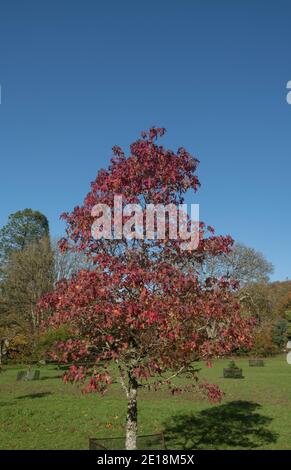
[[131, 418], [2, 349]]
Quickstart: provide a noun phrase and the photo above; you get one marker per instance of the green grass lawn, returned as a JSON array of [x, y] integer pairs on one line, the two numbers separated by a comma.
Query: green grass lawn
[[47, 414]]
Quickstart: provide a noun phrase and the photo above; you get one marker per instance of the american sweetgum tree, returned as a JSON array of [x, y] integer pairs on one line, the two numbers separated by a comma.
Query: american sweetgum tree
[[144, 306]]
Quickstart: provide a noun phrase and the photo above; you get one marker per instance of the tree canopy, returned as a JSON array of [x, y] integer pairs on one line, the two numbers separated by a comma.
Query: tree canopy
[[243, 263], [23, 227]]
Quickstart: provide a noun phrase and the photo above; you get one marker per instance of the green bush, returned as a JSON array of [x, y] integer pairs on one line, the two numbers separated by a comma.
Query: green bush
[[279, 333], [50, 337]]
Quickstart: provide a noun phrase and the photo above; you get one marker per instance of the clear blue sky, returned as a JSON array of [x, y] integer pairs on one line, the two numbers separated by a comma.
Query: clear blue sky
[[80, 76]]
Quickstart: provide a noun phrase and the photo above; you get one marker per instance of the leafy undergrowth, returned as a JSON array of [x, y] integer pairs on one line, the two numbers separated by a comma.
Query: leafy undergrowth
[[47, 414]]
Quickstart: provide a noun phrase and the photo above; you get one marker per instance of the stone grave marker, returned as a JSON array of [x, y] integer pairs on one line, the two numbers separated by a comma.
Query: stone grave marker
[[232, 371], [28, 375], [256, 363]]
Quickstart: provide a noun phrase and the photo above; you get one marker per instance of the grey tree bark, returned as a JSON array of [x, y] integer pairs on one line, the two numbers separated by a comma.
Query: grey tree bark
[[131, 418]]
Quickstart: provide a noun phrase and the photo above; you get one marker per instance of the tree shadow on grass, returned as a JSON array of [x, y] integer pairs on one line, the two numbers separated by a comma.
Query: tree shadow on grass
[[236, 424], [6, 403], [47, 377], [34, 395], [62, 367]]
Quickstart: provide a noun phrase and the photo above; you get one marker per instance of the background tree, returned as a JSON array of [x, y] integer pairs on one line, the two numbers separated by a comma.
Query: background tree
[[143, 306], [252, 271], [243, 263], [270, 304], [263, 344], [284, 303], [29, 274], [68, 263], [256, 301], [23, 227], [278, 293]]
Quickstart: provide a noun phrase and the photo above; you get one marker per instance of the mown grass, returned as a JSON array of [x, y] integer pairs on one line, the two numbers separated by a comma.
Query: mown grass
[[47, 414]]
